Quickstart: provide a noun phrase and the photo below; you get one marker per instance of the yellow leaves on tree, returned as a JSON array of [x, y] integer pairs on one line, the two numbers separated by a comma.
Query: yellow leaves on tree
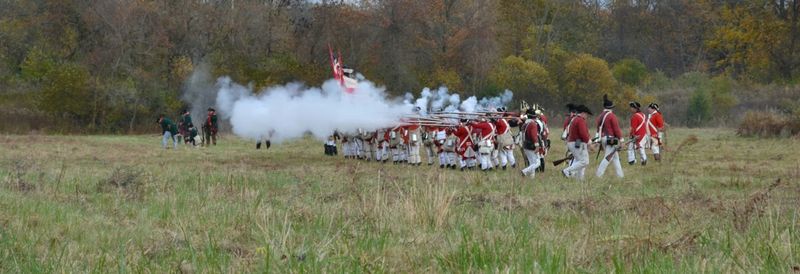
[[755, 39], [586, 78], [526, 78]]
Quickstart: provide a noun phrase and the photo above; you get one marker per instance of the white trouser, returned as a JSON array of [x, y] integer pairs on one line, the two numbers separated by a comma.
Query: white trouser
[[610, 156], [396, 154], [382, 152], [413, 153], [452, 158], [165, 139], [471, 162], [485, 160], [443, 158], [533, 159], [577, 168], [430, 151], [369, 150], [507, 157], [654, 145], [632, 151], [346, 148], [358, 148], [403, 151], [495, 157]]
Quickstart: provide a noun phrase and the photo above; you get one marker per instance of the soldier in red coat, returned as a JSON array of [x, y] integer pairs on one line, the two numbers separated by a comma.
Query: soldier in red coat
[[505, 142], [577, 142], [655, 128], [532, 146], [609, 136], [568, 120], [428, 142], [485, 132], [544, 134], [383, 145], [450, 148], [396, 143], [465, 147], [413, 141], [638, 134]]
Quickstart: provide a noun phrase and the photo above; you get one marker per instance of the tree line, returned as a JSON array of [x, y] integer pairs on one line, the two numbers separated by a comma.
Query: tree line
[[111, 66]]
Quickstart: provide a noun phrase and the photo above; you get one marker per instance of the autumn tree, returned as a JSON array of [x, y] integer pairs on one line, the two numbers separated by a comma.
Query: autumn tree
[[586, 79]]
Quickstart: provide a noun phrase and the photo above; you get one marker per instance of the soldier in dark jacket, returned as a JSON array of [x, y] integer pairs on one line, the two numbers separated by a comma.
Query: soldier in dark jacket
[[169, 129], [183, 126], [210, 128], [192, 135]]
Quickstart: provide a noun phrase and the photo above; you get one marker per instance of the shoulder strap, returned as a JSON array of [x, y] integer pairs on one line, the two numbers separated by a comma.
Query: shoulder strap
[[643, 121], [602, 123]]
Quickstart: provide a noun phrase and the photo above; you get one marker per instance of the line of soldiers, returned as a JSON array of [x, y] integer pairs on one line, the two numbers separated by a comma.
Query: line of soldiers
[[646, 131], [484, 143], [186, 129], [488, 143]]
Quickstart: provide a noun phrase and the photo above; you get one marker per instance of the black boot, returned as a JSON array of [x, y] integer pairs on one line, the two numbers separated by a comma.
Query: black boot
[[258, 145]]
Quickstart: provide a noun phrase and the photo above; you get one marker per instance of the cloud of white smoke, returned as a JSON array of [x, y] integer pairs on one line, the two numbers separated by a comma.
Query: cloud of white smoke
[[286, 112], [290, 111]]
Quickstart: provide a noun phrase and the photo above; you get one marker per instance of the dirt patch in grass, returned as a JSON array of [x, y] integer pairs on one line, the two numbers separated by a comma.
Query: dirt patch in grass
[[654, 209], [505, 202], [20, 173], [129, 181], [586, 205]]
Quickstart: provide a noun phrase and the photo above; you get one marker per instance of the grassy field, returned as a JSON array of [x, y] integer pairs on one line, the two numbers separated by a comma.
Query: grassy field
[[122, 204]]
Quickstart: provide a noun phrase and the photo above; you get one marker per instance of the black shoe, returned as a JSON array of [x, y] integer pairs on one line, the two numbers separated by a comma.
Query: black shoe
[[268, 144], [644, 162], [514, 165], [441, 166], [631, 162], [258, 145], [462, 168], [504, 167]]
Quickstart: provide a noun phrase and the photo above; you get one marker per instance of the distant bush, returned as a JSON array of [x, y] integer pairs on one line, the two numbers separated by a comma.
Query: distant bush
[[630, 71], [699, 111], [769, 124]]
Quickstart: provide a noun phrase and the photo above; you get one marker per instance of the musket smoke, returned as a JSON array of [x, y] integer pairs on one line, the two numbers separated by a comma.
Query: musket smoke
[[291, 111], [286, 112]]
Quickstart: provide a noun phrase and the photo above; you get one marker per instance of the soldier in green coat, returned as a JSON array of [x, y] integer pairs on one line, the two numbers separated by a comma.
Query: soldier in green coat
[[192, 134], [169, 129], [183, 126]]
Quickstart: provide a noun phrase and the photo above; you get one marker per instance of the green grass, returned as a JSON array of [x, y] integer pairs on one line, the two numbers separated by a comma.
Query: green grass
[[122, 204]]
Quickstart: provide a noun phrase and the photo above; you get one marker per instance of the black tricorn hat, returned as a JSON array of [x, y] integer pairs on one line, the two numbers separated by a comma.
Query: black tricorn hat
[[653, 106], [583, 109], [531, 113], [607, 103], [211, 109], [635, 105], [571, 107]]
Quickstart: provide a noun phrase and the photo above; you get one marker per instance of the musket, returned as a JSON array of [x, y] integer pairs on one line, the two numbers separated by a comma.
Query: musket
[[560, 161]]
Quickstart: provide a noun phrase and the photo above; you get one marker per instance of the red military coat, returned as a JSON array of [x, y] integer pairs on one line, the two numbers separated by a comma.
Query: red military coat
[[464, 139], [610, 126], [578, 131]]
